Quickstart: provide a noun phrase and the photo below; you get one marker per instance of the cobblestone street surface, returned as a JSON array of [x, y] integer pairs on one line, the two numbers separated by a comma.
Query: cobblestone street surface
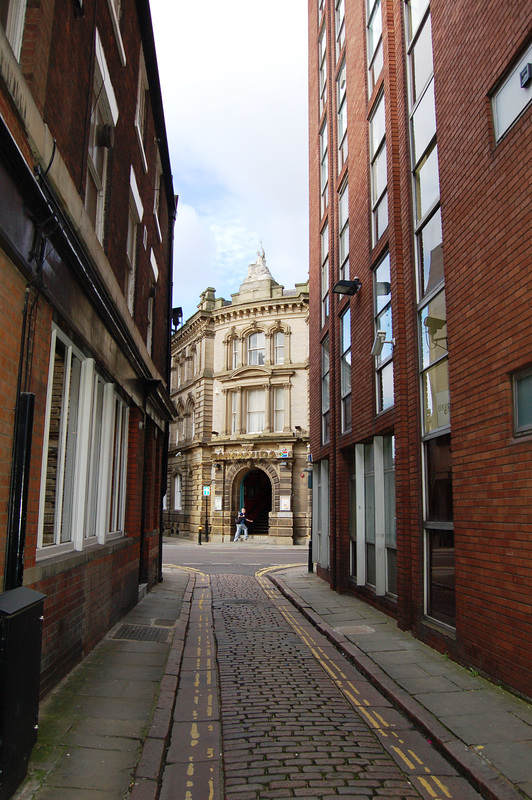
[[267, 708]]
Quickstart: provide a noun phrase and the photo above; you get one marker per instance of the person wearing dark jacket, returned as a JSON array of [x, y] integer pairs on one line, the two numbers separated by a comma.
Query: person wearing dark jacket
[[241, 526]]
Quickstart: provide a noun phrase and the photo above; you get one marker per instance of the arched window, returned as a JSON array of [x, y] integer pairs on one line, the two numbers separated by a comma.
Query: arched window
[[256, 348]]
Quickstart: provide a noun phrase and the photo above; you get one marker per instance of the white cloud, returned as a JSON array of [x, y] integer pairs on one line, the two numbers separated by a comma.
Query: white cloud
[[234, 81]]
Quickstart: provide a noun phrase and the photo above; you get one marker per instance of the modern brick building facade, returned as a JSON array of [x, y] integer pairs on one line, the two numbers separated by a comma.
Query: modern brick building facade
[[86, 228], [421, 435], [240, 387]]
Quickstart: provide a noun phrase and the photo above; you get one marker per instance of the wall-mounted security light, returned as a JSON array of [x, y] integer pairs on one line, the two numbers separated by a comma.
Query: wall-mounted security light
[[379, 342], [347, 287], [525, 76], [177, 316]]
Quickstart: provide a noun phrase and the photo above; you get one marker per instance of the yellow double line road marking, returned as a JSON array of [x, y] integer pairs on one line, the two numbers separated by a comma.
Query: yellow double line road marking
[[348, 689]]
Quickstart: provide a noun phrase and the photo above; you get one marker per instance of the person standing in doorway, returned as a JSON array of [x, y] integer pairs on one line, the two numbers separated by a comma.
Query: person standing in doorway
[[241, 526]]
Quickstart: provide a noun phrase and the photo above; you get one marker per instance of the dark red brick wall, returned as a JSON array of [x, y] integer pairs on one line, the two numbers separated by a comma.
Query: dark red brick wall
[[487, 223], [86, 592], [488, 253]]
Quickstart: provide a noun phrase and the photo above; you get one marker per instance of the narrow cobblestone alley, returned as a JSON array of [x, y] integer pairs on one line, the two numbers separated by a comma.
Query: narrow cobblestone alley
[[267, 708]]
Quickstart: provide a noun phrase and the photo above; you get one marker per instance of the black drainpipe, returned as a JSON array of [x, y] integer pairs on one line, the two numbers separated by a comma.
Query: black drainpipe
[[20, 468]]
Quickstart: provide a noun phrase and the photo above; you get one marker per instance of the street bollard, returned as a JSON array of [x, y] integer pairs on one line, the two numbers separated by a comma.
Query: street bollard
[[200, 529]]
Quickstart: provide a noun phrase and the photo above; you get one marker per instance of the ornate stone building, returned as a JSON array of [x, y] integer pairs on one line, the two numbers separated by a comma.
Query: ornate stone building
[[240, 385]]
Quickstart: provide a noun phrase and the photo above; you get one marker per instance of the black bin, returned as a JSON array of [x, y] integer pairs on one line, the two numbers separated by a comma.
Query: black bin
[[21, 613]]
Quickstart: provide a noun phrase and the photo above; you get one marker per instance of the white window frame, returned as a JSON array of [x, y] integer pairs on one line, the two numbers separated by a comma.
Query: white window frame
[[511, 100], [104, 113], [325, 392], [278, 347], [322, 62], [256, 348], [343, 225], [384, 361], [345, 369], [324, 169], [375, 55], [341, 102], [521, 428], [255, 410], [93, 429], [141, 113], [325, 297], [378, 156], [339, 17], [16, 16], [380, 521], [178, 492], [320, 513], [278, 409], [136, 214]]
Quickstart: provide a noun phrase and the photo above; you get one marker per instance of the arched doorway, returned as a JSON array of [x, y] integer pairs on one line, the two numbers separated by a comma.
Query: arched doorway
[[256, 497]]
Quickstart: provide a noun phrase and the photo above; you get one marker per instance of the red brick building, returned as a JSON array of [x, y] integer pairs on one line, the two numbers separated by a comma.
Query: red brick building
[[421, 435], [86, 227]]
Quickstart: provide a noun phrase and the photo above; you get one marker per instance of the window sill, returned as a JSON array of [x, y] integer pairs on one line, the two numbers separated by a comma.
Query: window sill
[[50, 564]]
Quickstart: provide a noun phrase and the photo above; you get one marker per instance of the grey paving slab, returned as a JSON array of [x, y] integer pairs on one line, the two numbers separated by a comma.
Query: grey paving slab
[[59, 793], [432, 684], [129, 728], [482, 728], [513, 760], [455, 704], [120, 708], [101, 741], [85, 768]]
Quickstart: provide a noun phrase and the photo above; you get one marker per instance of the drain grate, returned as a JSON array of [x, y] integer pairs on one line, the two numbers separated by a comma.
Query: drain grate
[[142, 633]]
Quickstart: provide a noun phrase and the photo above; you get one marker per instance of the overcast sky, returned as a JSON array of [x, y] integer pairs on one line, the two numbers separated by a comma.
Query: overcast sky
[[234, 83]]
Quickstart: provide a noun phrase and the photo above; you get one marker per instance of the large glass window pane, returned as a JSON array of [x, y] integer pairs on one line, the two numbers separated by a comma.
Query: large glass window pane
[[325, 398], [93, 475], [278, 409], [415, 12], [380, 218], [377, 127], [438, 472], [441, 575], [434, 330], [383, 287], [340, 26], [369, 505], [324, 169], [427, 183], [255, 401], [431, 253], [385, 387], [374, 43], [384, 323], [424, 123], [342, 116], [279, 348], [436, 398], [256, 348], [374, 29], [421, 60], [379, 174]]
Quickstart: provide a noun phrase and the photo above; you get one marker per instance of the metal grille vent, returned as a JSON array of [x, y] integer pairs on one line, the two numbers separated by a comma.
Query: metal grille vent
[[142, 633]]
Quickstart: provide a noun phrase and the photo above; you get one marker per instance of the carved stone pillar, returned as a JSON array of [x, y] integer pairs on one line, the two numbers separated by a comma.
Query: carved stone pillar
[[267, 408]]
